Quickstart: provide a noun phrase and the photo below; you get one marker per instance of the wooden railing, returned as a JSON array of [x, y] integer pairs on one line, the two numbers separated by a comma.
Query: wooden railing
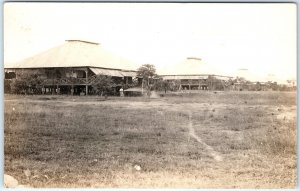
[[65, 81], [71, 81]]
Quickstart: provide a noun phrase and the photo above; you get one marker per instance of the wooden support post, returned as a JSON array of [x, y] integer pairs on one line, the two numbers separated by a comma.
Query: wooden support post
[[72, 90], [86, 82], [72, 81]]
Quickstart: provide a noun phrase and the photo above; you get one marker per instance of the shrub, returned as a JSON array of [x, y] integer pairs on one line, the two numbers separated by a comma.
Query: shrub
[[25, 83], [103, 85]]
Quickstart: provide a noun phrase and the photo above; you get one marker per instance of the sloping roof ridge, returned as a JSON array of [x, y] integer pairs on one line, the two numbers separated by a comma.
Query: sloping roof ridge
[[186, 74], [17, 64], [92, 55], [193, 58], [84, 41], [111, 68]]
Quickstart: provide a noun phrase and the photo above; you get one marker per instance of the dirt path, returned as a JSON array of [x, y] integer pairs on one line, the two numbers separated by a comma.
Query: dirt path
[[208, 148]]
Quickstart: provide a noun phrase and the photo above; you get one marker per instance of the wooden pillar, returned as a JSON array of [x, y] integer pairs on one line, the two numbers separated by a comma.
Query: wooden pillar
[[72, 90], [86, 82]]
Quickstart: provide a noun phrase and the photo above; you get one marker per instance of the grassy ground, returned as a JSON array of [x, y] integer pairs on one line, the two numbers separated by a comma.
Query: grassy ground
[[92, 142]]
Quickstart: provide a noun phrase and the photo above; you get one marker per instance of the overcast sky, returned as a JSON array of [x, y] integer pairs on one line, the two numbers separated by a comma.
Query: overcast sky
[[258, 37]]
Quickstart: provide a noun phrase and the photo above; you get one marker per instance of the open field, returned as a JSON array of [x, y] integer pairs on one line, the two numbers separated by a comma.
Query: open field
[[206, 140]]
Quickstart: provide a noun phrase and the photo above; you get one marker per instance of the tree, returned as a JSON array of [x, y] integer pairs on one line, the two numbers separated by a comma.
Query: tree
[[162, 85], [148, 73], [103, 85], [274, 86]]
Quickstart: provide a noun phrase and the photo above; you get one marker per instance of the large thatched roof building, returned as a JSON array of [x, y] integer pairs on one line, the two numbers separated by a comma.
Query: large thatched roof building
[[73, 67], [193, 73]]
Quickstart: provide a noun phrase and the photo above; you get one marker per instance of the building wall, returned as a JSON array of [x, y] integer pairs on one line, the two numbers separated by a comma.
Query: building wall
[[61, 80]]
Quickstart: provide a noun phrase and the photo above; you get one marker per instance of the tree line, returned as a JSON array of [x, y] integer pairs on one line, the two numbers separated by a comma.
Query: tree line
[[149, 80]]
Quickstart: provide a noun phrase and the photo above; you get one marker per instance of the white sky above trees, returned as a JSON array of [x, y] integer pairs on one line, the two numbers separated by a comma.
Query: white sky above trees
[[258, 37]]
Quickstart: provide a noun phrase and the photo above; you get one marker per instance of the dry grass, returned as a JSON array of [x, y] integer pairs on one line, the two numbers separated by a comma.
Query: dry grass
[[91, 142]]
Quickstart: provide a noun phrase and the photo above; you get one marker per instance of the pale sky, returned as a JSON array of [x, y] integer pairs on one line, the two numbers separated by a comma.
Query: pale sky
[[258, 37]]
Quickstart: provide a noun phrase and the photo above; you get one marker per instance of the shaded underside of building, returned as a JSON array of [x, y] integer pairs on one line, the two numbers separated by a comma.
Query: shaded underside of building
[[198, 81]]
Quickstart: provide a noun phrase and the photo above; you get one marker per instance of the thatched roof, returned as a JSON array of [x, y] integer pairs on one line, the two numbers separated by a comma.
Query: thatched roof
[[190, 66], [76, 53], [248, 75]]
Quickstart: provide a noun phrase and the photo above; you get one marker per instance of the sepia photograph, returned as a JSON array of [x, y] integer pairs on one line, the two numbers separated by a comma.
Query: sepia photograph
[[150, 95]]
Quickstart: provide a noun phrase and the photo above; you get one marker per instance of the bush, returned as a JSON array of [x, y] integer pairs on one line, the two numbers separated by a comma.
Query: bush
[[104, 85], [25, 83]]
